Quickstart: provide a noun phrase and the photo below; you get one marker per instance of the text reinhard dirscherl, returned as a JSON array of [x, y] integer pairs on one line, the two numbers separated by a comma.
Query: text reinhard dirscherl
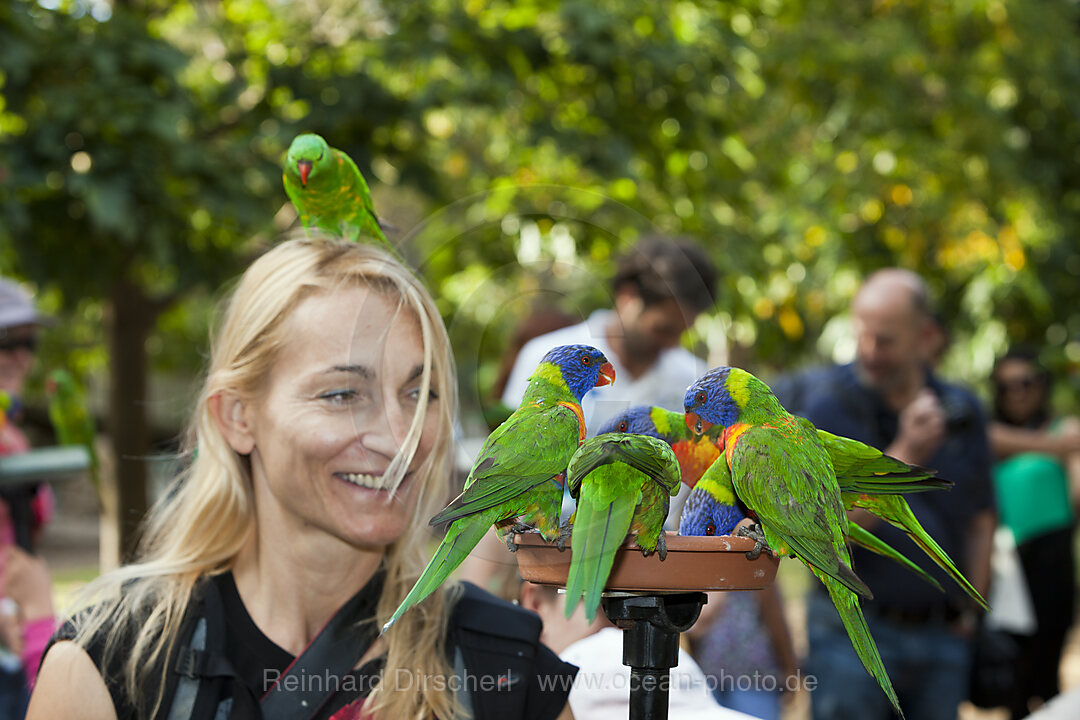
[[408, 680]]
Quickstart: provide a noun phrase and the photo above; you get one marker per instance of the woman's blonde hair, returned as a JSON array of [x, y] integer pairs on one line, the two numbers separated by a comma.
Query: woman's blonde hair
[[206, 517]]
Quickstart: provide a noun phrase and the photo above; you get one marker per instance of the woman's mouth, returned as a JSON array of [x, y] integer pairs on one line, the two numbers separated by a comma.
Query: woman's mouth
[[374, 482], [371, 482]]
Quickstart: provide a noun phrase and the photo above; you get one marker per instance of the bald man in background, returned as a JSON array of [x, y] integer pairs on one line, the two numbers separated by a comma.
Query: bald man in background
[[891, 399]]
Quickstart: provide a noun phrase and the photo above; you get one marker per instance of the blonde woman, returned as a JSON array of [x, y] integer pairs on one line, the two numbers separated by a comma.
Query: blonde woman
[[322, 442]]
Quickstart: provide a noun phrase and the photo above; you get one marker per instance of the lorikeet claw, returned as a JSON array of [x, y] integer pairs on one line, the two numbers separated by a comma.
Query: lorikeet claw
[[517, 528], [565, 531], [661, 545], [754, 533]]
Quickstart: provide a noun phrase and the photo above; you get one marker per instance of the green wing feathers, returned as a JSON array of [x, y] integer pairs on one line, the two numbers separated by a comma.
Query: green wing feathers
[[861, 468], [875, 482], [786, 481], [649, 455], [523, 453]]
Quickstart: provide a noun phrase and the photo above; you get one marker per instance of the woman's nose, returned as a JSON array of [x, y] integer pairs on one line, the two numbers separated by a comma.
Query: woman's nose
[[389, 427]]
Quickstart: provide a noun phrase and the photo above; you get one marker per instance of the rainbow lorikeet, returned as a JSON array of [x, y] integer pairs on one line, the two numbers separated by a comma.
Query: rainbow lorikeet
[[519, 474], [782, 471], [69, 414], [875, 482], [712, 507], [6, 404], [623, 483], [328, 190]]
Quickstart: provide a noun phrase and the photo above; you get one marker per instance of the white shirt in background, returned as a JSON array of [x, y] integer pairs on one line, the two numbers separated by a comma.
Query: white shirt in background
[[663, 384], [601, 689]]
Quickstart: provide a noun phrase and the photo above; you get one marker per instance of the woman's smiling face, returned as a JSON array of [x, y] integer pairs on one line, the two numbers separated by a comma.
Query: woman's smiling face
[[336, 407]]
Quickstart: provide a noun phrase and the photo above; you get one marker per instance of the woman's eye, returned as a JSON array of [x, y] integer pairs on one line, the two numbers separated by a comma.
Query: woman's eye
[[340, 397], [414, 395]]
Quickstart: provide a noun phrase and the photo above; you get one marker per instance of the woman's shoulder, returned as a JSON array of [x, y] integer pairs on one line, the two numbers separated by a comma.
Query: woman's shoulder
[[69, 684], [106, 633]]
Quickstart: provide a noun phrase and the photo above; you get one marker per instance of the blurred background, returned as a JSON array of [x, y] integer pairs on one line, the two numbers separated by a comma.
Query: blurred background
[[517, 148]]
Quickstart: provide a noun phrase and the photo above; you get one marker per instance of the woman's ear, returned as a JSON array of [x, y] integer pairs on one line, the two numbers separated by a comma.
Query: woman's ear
[[230, 413]]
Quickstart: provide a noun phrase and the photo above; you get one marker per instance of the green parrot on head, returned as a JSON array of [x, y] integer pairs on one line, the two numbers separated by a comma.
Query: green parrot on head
[[782, 473], [329, 192], [623, 483], [516, 483], [70, 416]]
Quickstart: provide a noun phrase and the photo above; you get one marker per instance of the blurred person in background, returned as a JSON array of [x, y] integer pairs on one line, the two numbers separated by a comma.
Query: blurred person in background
[[601, 689], [890, 398], [746, 634], [24, 508], [1037, 483], [660, 287]]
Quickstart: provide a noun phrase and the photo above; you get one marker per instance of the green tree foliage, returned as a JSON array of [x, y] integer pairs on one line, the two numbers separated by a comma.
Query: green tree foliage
[[519, 146], [121, 184]]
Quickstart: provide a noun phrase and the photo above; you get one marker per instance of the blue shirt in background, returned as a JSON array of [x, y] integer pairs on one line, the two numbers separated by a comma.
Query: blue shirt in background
[[837, 402]]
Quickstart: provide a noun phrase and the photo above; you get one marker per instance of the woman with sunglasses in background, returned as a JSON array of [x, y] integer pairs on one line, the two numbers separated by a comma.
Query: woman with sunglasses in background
[[1037, 481], [26, 617]]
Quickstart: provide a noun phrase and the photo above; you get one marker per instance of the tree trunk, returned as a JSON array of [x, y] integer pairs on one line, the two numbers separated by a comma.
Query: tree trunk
[[132, 317]]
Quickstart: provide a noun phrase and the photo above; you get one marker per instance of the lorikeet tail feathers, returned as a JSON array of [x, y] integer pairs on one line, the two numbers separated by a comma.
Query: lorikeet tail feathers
[[459, 541], [599, 529], [894, 484], [895, 510], [860, 536], [847, 604]]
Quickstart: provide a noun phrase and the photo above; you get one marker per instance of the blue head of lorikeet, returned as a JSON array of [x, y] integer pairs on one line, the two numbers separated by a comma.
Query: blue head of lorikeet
[[711, 399], [695, 453], [583, 367], [636, 420], [704, 514]]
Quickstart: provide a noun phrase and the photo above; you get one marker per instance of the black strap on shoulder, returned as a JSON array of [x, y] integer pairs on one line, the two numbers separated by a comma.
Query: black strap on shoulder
[[202, 671], [318, 672]]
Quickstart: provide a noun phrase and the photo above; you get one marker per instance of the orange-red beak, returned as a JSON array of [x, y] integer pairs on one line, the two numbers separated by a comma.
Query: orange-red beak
[[304, 168], [696, 424], [607, 375]]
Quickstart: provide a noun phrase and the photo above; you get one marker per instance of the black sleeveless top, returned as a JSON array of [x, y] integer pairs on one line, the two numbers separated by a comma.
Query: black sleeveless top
[[258, 661]]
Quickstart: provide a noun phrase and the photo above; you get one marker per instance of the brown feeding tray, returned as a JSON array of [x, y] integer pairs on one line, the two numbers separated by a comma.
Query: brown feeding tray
[[692, 564]]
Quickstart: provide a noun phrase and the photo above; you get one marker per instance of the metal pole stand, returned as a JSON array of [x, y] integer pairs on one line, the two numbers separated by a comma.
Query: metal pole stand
[[651, 625]]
